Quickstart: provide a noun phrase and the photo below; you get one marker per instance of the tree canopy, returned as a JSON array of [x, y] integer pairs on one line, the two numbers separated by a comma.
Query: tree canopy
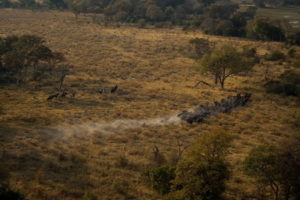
[[225, 62]]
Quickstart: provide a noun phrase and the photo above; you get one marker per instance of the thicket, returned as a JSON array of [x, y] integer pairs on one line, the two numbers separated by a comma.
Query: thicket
[[6, 193], [288, 84], [217, 17], [27, 58], [201, 174], [276, 168]]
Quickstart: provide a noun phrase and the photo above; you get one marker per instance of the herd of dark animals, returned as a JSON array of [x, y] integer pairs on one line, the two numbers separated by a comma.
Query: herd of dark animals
[[223, 106], [64, 93], [110, 91], [197, 115]]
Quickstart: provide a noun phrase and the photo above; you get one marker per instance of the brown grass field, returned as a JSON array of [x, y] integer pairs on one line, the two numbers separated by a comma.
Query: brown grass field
[[60, 149]]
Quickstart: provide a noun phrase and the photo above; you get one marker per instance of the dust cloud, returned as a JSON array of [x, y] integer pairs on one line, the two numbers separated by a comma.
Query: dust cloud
[[115, 126]]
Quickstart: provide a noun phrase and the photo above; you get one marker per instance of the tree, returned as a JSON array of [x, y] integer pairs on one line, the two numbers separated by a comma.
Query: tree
[[18, 54], [56, 4], [160, 178], [276, 168], [261, 163], [264, 29], [225, 62], [259, 3], [26, 55], [222, 10], [201, 175], [154, 13]]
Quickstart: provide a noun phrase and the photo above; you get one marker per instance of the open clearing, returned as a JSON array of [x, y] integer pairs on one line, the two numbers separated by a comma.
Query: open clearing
[[58, 150], [291, 15]]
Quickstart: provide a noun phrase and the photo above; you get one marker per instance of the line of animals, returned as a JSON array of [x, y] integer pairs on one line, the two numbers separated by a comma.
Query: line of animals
[[223, 106], [64, 93]]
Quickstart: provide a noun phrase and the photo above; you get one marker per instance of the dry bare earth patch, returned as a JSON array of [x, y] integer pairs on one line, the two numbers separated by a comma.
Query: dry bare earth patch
[[155, 77]]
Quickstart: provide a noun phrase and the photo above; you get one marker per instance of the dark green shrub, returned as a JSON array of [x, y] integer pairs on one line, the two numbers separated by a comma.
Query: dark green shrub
[[160, 178], [291, 52], [296, 63], [142, 23], [89, 196], [275, 55], [8, 194], [203, 172], [289, 84]]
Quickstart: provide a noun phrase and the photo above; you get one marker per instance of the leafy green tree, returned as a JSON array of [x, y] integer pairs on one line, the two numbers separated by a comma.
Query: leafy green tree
[[160, 178], [57, 4], [259, 3], [154, 13], [22, 56], [264, 29], [275, 55], [5, 3], [261, 164], [222, 10], [288, 84], [225, 62], [201, 175], [276, 168]]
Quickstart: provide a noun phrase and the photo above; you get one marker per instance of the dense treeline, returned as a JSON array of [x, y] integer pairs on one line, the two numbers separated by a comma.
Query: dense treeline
[[275, 3], [217, 17]]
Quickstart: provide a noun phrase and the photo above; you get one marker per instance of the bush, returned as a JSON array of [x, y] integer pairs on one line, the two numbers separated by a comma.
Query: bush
[[276, 168], [275, 55], [296, 63], [289, 84], [8, 194], [160, 178], [89, 196], [202, 174], [291, 52], [142, 23]]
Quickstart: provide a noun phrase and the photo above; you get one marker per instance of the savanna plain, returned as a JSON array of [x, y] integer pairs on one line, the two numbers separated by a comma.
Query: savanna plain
[[102, 143]]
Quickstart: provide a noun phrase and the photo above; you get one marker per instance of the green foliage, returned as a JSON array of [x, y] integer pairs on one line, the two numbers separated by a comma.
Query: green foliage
[[57, 4], [4, 176], [275, 55], [288, 84], [277, 168], [142, 23], [89, 196], [160, 178], [5, 192], [293, 38], [296, 63], [225, 62], [265, 29], [26, 55], [291, 52], [202, 173], [8, 194]]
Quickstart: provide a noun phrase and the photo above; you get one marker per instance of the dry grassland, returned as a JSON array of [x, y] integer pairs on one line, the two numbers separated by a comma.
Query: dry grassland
[[155, 77]]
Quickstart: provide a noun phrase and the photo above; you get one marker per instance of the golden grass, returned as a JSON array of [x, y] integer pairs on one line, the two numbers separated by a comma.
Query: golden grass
[[155, 78]]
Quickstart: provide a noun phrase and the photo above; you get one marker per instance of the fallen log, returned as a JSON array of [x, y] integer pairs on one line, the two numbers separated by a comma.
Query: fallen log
[[223, 106]]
